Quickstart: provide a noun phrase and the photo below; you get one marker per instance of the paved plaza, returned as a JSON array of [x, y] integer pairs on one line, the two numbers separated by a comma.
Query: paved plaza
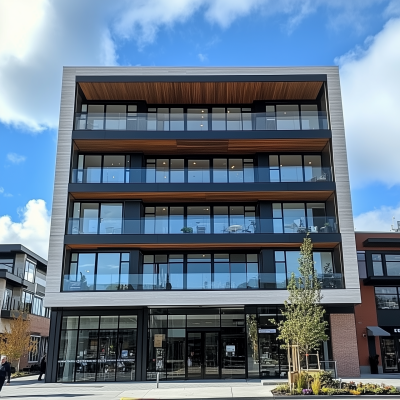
[[29, 388]]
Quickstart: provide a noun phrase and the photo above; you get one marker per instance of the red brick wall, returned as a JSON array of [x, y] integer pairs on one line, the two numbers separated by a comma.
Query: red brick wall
[[344, 345], [365, 314], [40, 326]]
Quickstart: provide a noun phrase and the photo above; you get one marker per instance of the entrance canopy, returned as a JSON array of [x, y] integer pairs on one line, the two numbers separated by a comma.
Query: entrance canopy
[[376, 331]]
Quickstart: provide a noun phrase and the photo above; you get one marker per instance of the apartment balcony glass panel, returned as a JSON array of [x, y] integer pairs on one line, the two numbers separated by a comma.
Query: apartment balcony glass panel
[[191, 272], [302, 218], [298, 168], [286, 264], [282, 168], [201, 224], [279, 117]]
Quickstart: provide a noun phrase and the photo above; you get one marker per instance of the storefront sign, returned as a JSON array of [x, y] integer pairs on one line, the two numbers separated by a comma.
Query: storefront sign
[[158, 339], [267, 331], [230, 349]]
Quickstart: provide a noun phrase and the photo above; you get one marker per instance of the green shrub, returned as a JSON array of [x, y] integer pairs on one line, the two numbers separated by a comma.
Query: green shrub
[[302, 381], [392, 390], [325, 377], [316, 386], [296, 391], [282, 389]]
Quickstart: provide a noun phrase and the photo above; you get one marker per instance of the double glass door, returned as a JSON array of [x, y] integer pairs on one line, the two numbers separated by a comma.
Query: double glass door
[[203, 355], [390, 354]]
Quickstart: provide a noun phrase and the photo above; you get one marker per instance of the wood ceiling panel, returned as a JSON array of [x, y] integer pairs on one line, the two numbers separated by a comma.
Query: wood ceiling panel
[[187, 197], [180, 146], [199, 246], [200, 92]]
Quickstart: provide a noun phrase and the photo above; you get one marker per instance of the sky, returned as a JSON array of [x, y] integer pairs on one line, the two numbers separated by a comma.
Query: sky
[[39, 37]]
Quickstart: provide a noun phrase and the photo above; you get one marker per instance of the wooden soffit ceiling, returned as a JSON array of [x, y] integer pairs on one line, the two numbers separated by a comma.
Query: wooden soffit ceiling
[[200, 92], [216, 146]]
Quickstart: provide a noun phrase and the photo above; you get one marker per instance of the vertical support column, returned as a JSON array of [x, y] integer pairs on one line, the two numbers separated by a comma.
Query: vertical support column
[[267, 269], [265, 214], [136, 168], [344, 345], [132, 217], [263, 167], [142, 351], [53, 346]]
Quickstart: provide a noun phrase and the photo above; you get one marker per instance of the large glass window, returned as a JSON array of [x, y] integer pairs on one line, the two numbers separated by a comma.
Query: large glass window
[[30, 268], [98, 168], [286, 264], [302, 218], [7, 264], [102, 271], [297, 168], [224, 170], [33, 356], [96, 348], [392, 264], [387, 298], [287, 117], [199, 171], [385, 264], [377, 264]]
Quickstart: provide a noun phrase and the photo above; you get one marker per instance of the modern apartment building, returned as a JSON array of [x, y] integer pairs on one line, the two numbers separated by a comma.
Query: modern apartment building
[[181, 198], [22, 288], [378, 316]]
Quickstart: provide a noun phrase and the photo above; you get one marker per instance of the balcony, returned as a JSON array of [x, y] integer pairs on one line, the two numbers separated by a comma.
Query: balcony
[[203, 121], [199, 174], [202, 225], [195, 281]]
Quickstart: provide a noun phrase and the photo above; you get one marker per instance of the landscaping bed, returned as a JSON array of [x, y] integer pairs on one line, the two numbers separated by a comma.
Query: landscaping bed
[[322, 384]]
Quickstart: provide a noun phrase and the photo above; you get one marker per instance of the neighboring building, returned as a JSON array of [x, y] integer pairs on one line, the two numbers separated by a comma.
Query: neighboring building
[[378, 316], [181, 198], [22, 287]]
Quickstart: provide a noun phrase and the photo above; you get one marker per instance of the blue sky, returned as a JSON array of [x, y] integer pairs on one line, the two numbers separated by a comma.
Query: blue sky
[[361, 36]]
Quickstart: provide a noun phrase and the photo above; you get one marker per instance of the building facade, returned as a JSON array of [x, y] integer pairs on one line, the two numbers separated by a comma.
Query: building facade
[[22, 287], [378, 316], [181, 198]]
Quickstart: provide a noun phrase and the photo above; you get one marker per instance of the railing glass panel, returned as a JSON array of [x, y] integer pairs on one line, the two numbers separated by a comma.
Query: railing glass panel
[[201, 224], [201, 174], [285, 118], [190, 281]]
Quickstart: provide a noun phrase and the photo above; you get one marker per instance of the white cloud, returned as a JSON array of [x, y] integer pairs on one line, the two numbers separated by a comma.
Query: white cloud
[[1, 189], [202, 57], [371, 99], [15, 158], [39, 37], [32, 232], [378, 220]]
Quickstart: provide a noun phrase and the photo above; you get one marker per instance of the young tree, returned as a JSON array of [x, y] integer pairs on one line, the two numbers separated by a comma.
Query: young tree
[[16, 341], [303, 316]]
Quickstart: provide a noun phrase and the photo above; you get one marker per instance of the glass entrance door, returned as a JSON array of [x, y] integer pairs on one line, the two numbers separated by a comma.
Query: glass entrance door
[[203, 355], [390, 357]]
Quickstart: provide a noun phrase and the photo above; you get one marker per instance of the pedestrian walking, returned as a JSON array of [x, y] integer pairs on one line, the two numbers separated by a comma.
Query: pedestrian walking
[[42, 367], [5, 371]]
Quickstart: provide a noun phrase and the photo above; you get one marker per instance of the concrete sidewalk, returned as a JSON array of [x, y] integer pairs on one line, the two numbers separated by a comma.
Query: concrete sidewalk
[[30, 389]]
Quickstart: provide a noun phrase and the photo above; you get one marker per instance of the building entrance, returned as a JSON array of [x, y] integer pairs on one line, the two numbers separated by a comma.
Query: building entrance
[[390, 354], [203, 360]]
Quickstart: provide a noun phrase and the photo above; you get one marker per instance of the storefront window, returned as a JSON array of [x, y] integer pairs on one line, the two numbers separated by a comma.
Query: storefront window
[[103, 349], [386, 298]]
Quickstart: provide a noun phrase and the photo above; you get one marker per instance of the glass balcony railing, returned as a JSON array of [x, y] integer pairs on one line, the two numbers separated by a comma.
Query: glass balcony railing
[[263, 121], [201, 224], [199, 175], [195, 281]]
